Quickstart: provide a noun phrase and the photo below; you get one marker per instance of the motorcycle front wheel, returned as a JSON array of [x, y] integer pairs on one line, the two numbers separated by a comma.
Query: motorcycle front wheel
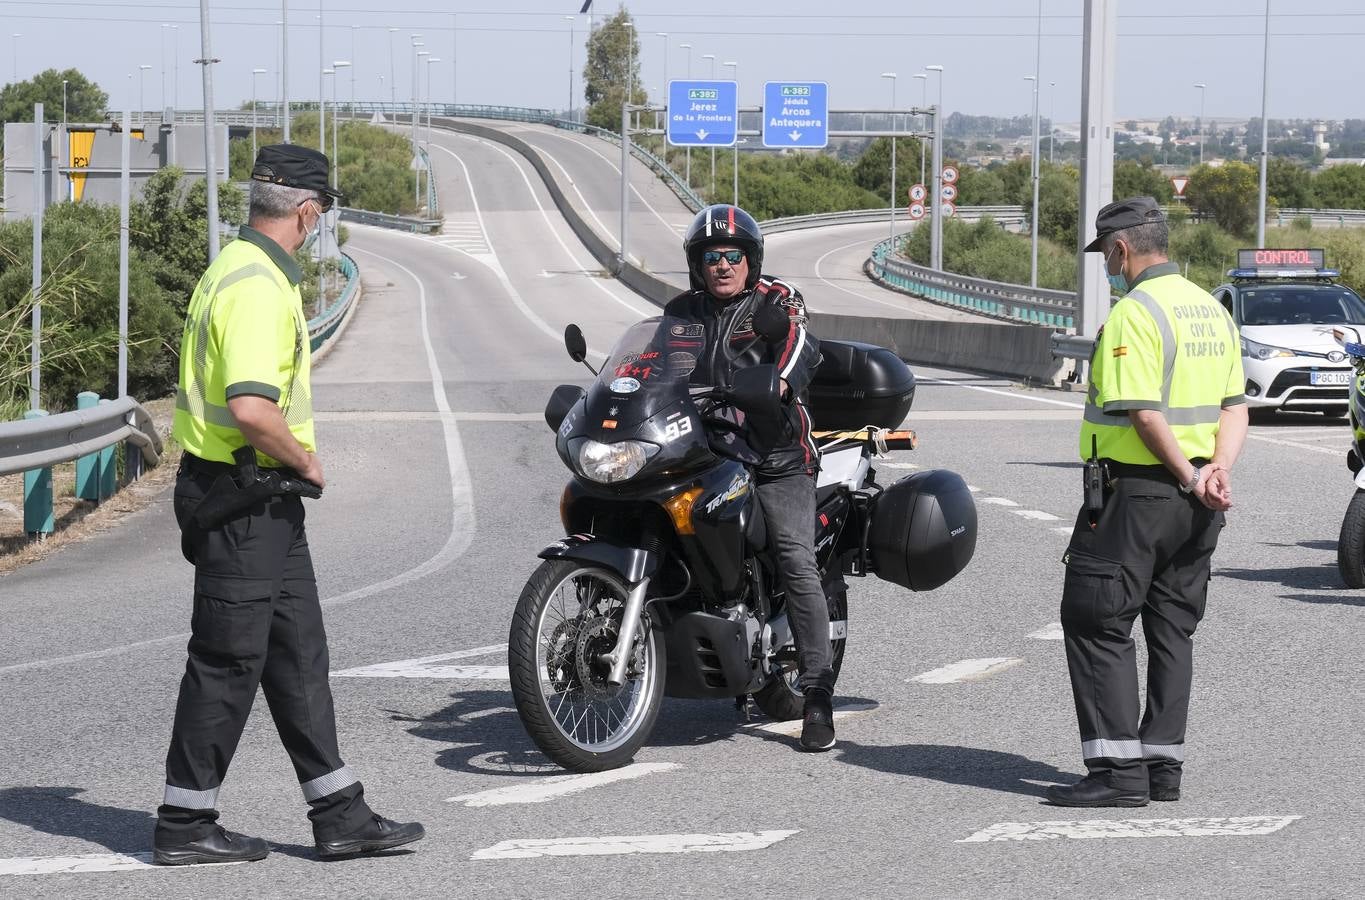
[[567, 618], [1351, 543], [779, 698]]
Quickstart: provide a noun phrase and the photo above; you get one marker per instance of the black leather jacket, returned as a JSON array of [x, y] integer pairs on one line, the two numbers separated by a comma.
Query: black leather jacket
[[731, 343]]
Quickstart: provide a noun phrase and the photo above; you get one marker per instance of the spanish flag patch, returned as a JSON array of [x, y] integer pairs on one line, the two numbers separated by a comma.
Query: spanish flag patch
[[1120, 351]]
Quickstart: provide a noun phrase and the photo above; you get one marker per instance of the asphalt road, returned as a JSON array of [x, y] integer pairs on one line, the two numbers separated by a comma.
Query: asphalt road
[[443, 485]]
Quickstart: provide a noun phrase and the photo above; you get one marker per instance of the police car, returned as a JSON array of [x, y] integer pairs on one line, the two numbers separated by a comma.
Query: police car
[[1285, 303]]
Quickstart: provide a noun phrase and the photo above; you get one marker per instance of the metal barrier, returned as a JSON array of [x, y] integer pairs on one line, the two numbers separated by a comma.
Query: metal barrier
[[384, 220], [1005, 215], [1342, 218], [40, 443], [1037, 306], [322, 326], [1072, 346]]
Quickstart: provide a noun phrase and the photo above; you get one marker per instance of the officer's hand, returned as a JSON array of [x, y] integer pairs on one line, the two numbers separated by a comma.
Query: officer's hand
[[784, 389], [1215, 488], [313, 471]]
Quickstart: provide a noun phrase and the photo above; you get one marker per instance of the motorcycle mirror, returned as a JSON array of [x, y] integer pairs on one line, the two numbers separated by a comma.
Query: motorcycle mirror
[[755, 391], [772, 324], [562, 400], [577, 345]]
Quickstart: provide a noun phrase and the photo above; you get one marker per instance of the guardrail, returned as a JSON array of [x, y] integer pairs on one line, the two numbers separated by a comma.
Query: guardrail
[[1072, 346], [45, 441], [1038, 306], [384, 220], [1005, 215], [1340, 217], [322, 327]]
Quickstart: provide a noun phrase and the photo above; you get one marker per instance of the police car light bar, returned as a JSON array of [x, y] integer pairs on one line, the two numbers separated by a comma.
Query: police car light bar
[[1268, 262]]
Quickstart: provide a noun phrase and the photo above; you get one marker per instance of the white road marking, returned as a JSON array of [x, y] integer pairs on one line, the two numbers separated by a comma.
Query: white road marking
[[923, 308], [412, 415], [1066, 530], [728, 842], [793, 727], [543, 789], [991, 415], [1050, 632], [998, 501], [966, 670], [974, 489], [89, 862], [426, 667], [1131, 828], [1035, 514], [986, 390], [633, 189], [891, 465], [1330, 451]]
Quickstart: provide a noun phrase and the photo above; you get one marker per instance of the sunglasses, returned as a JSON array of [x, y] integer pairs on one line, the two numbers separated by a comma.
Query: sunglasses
[[324, 201], [712, 257]]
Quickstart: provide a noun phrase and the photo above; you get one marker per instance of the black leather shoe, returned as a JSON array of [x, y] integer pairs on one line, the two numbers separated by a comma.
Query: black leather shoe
[[1165, 793], [817, 732], [1092, 791], [219, 846], [377, 834]]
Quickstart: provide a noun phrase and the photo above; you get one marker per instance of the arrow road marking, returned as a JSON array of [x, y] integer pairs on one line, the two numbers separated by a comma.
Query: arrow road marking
[[966, 670], [543, 789], [1130, 828], [1050, 632], [728, 842], [793, 728]]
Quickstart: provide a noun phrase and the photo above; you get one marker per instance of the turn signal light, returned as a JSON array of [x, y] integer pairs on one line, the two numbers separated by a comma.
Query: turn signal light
[[679, 508]]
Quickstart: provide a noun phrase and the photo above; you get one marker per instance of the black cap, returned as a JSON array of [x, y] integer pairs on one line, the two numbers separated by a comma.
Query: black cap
[[1123, 214], [294, 166]]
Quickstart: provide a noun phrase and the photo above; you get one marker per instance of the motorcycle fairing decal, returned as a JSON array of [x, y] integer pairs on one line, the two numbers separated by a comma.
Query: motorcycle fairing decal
[[739, 486], [697, 330]]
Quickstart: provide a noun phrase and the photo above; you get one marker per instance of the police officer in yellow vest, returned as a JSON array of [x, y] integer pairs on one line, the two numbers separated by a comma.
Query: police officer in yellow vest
[[1166, 418], [244, 380]]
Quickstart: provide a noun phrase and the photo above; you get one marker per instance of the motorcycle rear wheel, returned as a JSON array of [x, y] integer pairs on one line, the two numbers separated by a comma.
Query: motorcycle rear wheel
[[1351, 543], [568, 615], [779, 698]]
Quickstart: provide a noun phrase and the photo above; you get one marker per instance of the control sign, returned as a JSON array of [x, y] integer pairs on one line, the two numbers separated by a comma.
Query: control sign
[[795, 114], [918, 193], [703, 113], [917, 210], [950, 174]]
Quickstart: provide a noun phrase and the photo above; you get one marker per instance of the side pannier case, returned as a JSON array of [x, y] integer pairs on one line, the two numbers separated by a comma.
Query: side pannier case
[[859, 384], [922, 530]]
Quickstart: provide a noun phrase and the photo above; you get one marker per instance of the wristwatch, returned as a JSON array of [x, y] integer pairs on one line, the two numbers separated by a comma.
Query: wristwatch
[[1189, 486]]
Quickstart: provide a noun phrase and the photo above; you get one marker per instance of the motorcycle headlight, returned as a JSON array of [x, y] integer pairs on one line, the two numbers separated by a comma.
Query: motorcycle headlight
[[607, 463], [1263, 351]]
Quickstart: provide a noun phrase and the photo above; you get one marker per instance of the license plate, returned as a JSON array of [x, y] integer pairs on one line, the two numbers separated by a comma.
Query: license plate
[[1329, 378]]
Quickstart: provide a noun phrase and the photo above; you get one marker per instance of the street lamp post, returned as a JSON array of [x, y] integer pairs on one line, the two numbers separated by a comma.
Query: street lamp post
[[175, 66], [254, 73], [284, 67], [141, 104], [63, 104], [687, 166], [936, 191], [1265, 131], [891, 76], [1051, 119], [430, 60], [923, 102], [664, 35], [416, 43], [322, 106], [393, 82], [14, 54], [353, 29], [165, 26], [712, 57], [571, 20], [1033, 216], [734, 75], [1201, 85], [336, 64]]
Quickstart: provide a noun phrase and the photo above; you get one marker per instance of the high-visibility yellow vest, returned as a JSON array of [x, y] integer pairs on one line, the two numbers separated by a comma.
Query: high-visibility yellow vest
[[1168, 346], [245, 333]]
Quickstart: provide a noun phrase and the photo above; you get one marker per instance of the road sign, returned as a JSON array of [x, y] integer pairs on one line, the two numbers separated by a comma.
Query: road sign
[[795, 114], [703, 113], [1179, 185], [917, 193], [950, 192], [917, 210], [950, 174], [949, 210]]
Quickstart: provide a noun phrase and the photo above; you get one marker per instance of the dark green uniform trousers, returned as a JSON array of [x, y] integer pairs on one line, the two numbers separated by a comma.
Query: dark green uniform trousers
[[257, 622], [1147, 553]]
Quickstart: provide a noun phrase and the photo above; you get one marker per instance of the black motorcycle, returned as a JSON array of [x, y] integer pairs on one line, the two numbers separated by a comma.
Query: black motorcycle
[[1351, 542], [664, 584]]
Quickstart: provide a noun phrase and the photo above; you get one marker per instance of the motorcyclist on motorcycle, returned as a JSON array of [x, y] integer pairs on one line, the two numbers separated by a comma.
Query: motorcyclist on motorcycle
[[724, 249]]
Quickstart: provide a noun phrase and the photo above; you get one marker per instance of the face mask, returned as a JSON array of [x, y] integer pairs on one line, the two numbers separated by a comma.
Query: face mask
[[1118, 282]]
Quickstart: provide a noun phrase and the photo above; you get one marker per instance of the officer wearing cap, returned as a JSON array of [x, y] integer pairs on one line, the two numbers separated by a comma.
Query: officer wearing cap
[[1166, 419], [244, 379]]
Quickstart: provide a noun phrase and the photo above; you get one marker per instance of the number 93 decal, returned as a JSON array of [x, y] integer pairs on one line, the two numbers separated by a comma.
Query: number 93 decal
[[677, 428]]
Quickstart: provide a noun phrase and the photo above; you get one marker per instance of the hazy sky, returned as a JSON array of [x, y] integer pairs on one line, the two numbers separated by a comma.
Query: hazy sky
[[519, 54]]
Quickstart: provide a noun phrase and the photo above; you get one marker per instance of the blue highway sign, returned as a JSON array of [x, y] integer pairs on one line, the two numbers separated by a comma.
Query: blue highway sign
[[703, 113], [795, 114]]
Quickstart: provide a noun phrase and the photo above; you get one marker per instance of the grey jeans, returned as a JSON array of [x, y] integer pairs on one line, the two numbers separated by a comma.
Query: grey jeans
[[788, 503]]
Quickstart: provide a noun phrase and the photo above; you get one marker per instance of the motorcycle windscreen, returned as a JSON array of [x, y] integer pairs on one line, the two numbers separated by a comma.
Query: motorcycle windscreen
[[645, 373]]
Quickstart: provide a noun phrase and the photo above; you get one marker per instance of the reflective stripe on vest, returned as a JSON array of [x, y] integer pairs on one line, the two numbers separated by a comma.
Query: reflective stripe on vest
[[1178, 415]]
